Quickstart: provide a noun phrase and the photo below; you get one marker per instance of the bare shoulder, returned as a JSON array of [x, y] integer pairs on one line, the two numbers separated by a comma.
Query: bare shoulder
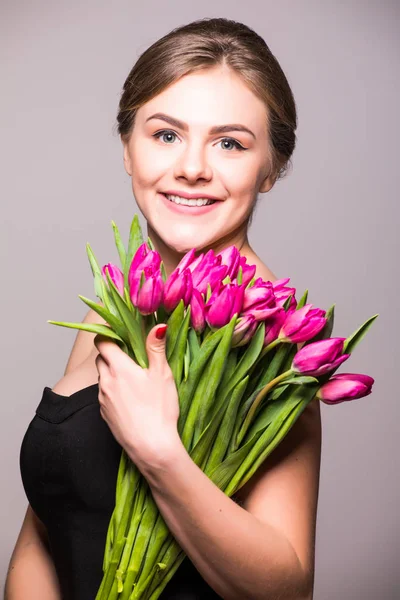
[[83, 347], [84, 375]]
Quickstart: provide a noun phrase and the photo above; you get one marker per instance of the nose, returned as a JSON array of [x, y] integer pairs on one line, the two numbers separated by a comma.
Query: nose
[[193, 164]]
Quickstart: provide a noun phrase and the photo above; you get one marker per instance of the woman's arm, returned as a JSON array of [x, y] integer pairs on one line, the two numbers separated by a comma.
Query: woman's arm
[[31, 573], [264, 550]]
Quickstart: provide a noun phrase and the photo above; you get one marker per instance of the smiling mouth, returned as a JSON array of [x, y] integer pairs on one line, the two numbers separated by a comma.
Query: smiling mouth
[[186, 202]]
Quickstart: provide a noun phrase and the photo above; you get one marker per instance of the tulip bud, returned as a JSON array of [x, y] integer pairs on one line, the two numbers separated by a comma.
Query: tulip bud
[[282, 293], [221, 308], [320, 357], [231, 258], [150, 259], [116, 276], [187, 260], [178, 287], [248, 271], [345, 387], [303, 324], [244, 330], [197, 311], [273, 326], [150, 295]]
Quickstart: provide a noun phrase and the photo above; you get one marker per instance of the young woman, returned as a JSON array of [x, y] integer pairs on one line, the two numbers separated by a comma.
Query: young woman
[[206, 114]]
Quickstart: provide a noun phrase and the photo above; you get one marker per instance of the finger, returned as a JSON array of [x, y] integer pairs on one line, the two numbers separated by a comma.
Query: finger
[[155, 347]]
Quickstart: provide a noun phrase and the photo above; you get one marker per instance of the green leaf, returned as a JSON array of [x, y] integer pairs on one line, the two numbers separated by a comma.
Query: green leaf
[[202, 401], [120, 246], [303, 300], [275, 366], [248, 359], [202, 447], [177, 357], [174, 325], [223, 474], [251, 283], [187, 388], [113, 321], [301, 380], [273, 434], [91, 327], [287, 302], [222, 441], [134, 330], [358, 335], [193, 344], [135, 240], [98, 278], [150, 243], [163, 272], [186, 362], [239, 276]]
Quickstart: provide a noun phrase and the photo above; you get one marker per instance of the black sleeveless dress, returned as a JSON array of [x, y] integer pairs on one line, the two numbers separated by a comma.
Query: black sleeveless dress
[[69, 463]]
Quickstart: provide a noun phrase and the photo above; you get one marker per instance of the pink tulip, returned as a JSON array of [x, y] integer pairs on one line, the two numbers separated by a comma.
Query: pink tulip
[[139, 256], [261, 293], [244, 330], [221, 308], [197, 311], [116, 276], [231, 258], [178, 287], [148, 259], [187, 260], [345, 387], [207, 270], [320, 357], [259, 301], [303, 324], [150, 295], [248, 271], [282, 293], [273, 326]]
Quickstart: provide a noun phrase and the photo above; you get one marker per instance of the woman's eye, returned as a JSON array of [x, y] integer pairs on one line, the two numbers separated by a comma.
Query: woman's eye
[[224, 141], [234, 142], [164, 133]]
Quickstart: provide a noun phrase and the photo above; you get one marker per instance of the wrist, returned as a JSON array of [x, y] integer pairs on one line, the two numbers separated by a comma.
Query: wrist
[[157, 455]]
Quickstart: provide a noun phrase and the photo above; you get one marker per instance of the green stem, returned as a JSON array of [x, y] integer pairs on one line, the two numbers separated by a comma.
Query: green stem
[[138, 550], [173, 558], [108, 577], [133, 528], [258, 399]]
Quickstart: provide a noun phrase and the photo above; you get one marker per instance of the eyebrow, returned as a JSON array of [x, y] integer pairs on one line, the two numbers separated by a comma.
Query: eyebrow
[[215, 129]]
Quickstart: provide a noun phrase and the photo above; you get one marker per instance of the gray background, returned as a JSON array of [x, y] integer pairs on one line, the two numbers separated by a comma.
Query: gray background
[[331, 225]]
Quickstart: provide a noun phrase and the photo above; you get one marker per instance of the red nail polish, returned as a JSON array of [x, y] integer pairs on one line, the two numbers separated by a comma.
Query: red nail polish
[[161, 331]]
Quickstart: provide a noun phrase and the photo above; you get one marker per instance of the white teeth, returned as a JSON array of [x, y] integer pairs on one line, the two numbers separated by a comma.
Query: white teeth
[[187, 202]]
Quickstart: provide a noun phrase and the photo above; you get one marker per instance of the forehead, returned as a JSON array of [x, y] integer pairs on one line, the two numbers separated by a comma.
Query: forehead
[[209, 97]]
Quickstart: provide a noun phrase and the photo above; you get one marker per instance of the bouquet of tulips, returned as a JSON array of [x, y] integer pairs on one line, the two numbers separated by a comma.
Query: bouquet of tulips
[[232, 345]]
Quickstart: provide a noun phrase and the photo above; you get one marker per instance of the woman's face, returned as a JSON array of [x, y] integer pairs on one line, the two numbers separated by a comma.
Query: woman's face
[[188, 157]]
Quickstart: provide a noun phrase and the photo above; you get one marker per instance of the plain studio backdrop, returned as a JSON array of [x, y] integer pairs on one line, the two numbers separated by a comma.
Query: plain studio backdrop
[[331, 225]]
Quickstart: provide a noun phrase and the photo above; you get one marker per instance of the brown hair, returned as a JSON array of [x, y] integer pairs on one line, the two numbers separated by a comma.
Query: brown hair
[[208, 43]]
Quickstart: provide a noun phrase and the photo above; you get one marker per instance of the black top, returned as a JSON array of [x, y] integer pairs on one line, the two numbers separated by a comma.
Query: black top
[[69, 462]]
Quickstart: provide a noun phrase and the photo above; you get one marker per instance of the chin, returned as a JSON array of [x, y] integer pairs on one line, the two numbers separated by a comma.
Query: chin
[[183, 243]]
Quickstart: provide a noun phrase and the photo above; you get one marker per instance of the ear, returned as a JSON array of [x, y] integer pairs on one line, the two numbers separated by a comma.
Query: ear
[[127, 158], [267, 184]]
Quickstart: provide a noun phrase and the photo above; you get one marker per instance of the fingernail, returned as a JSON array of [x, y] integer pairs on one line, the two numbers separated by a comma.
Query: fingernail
[[161, 331]]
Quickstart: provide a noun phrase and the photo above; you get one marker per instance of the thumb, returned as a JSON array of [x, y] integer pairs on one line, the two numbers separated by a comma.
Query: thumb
[[155, 346]]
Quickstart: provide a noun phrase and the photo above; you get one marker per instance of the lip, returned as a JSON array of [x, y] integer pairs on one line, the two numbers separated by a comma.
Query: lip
[[188, 210], [189, 196]]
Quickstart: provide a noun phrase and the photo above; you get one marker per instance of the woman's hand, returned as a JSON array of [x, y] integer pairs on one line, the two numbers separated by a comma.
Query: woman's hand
[[140, 406]]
